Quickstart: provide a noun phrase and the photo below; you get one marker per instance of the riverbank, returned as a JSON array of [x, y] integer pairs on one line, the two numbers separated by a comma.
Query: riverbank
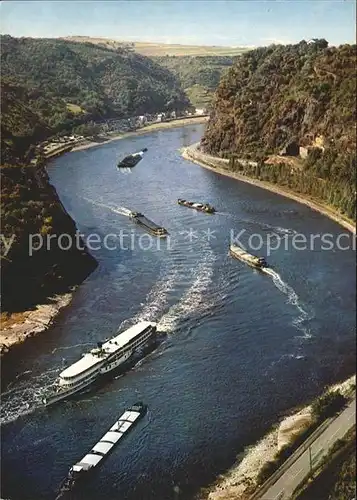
[[16, 328], [240, 482], [220, 166], [181, 122]]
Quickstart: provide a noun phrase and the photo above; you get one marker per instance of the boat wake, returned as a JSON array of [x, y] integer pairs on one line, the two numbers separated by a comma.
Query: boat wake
[[278, 230], [293, 299], [156, 300], [24, 397], [24, 394], [65, 348], [112, 208], [195, 297]]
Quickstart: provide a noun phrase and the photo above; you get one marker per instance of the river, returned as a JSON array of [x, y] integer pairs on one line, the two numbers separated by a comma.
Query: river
[[239, 347]]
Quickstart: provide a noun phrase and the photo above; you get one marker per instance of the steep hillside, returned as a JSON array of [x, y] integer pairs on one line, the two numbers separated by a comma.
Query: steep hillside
[[65, 84], [30, 206], [21, 126], [295, 95], [199, 75], [197, 68]]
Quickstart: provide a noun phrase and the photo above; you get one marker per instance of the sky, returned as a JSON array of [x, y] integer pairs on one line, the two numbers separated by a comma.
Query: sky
[[188, 22]]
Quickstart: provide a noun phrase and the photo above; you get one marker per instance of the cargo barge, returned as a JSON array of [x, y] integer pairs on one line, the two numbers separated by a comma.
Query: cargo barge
[[149, 225], [131, 160], [201, 207], [104, 446], [251, 260]]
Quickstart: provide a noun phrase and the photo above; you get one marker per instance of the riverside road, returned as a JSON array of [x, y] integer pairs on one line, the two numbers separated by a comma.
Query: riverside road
[[299, 470]]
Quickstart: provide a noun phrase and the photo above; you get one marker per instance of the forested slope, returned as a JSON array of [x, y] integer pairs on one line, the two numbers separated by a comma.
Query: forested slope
[[280, 95], [60, 84], [199, 75], [30, 206]]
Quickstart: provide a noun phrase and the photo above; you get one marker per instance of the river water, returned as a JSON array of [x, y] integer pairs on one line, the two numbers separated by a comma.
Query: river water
[[239, 347]]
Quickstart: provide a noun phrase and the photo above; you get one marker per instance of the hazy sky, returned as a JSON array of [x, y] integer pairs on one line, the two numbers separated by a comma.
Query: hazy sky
[[206, 22]]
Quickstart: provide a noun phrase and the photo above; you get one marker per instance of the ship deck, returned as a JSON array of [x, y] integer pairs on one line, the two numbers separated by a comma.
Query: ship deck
[[147, 222], [109, 347]]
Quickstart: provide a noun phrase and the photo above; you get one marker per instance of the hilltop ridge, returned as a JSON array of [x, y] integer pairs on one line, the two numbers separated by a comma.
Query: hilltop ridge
[[152, 49]]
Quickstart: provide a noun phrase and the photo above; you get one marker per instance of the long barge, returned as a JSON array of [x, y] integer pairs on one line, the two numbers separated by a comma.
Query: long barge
[[251, 260], [201, 207], [101, 360], [104, 446], [131, 160], [149, 225]]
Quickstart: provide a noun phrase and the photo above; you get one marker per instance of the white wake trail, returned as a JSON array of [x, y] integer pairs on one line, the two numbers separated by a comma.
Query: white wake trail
[[194, 299], [293, 299], [156, 301], [277, 230], [24, 397], [117, 210]]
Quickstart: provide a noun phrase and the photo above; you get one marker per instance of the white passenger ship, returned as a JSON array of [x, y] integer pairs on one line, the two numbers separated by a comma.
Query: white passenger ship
[[103, 359]]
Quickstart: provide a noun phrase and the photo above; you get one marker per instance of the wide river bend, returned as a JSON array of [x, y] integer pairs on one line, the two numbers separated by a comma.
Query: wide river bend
[[239, 349]]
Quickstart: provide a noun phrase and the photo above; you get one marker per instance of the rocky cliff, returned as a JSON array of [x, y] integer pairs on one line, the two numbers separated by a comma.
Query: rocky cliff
[[30, 206], [294, 100]]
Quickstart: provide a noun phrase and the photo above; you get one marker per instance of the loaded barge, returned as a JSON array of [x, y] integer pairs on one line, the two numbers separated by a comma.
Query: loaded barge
[[131, 160], [102, 360], [148, 224], [251, 260], [125, 422], [201, 207]]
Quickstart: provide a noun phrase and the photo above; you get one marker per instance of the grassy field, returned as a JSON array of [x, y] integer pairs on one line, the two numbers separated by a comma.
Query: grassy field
[[74, 108], [161, 49], [199, 96]]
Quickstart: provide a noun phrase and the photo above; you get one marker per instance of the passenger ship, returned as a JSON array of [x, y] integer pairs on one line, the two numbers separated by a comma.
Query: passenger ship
[[101, 360]]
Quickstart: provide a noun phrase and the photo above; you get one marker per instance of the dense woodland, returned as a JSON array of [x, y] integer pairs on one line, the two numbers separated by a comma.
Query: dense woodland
[[199, 75], [50, 85], [278, 95], [30, 205]]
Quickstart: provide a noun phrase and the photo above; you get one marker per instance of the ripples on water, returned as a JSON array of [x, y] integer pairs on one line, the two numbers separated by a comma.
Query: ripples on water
[[293, 299], [240, 347]]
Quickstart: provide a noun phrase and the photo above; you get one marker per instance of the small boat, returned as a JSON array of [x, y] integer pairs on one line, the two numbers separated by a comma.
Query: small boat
[[246, 257], [148, 224], [131, 160], [201, 207], [104, 446]]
